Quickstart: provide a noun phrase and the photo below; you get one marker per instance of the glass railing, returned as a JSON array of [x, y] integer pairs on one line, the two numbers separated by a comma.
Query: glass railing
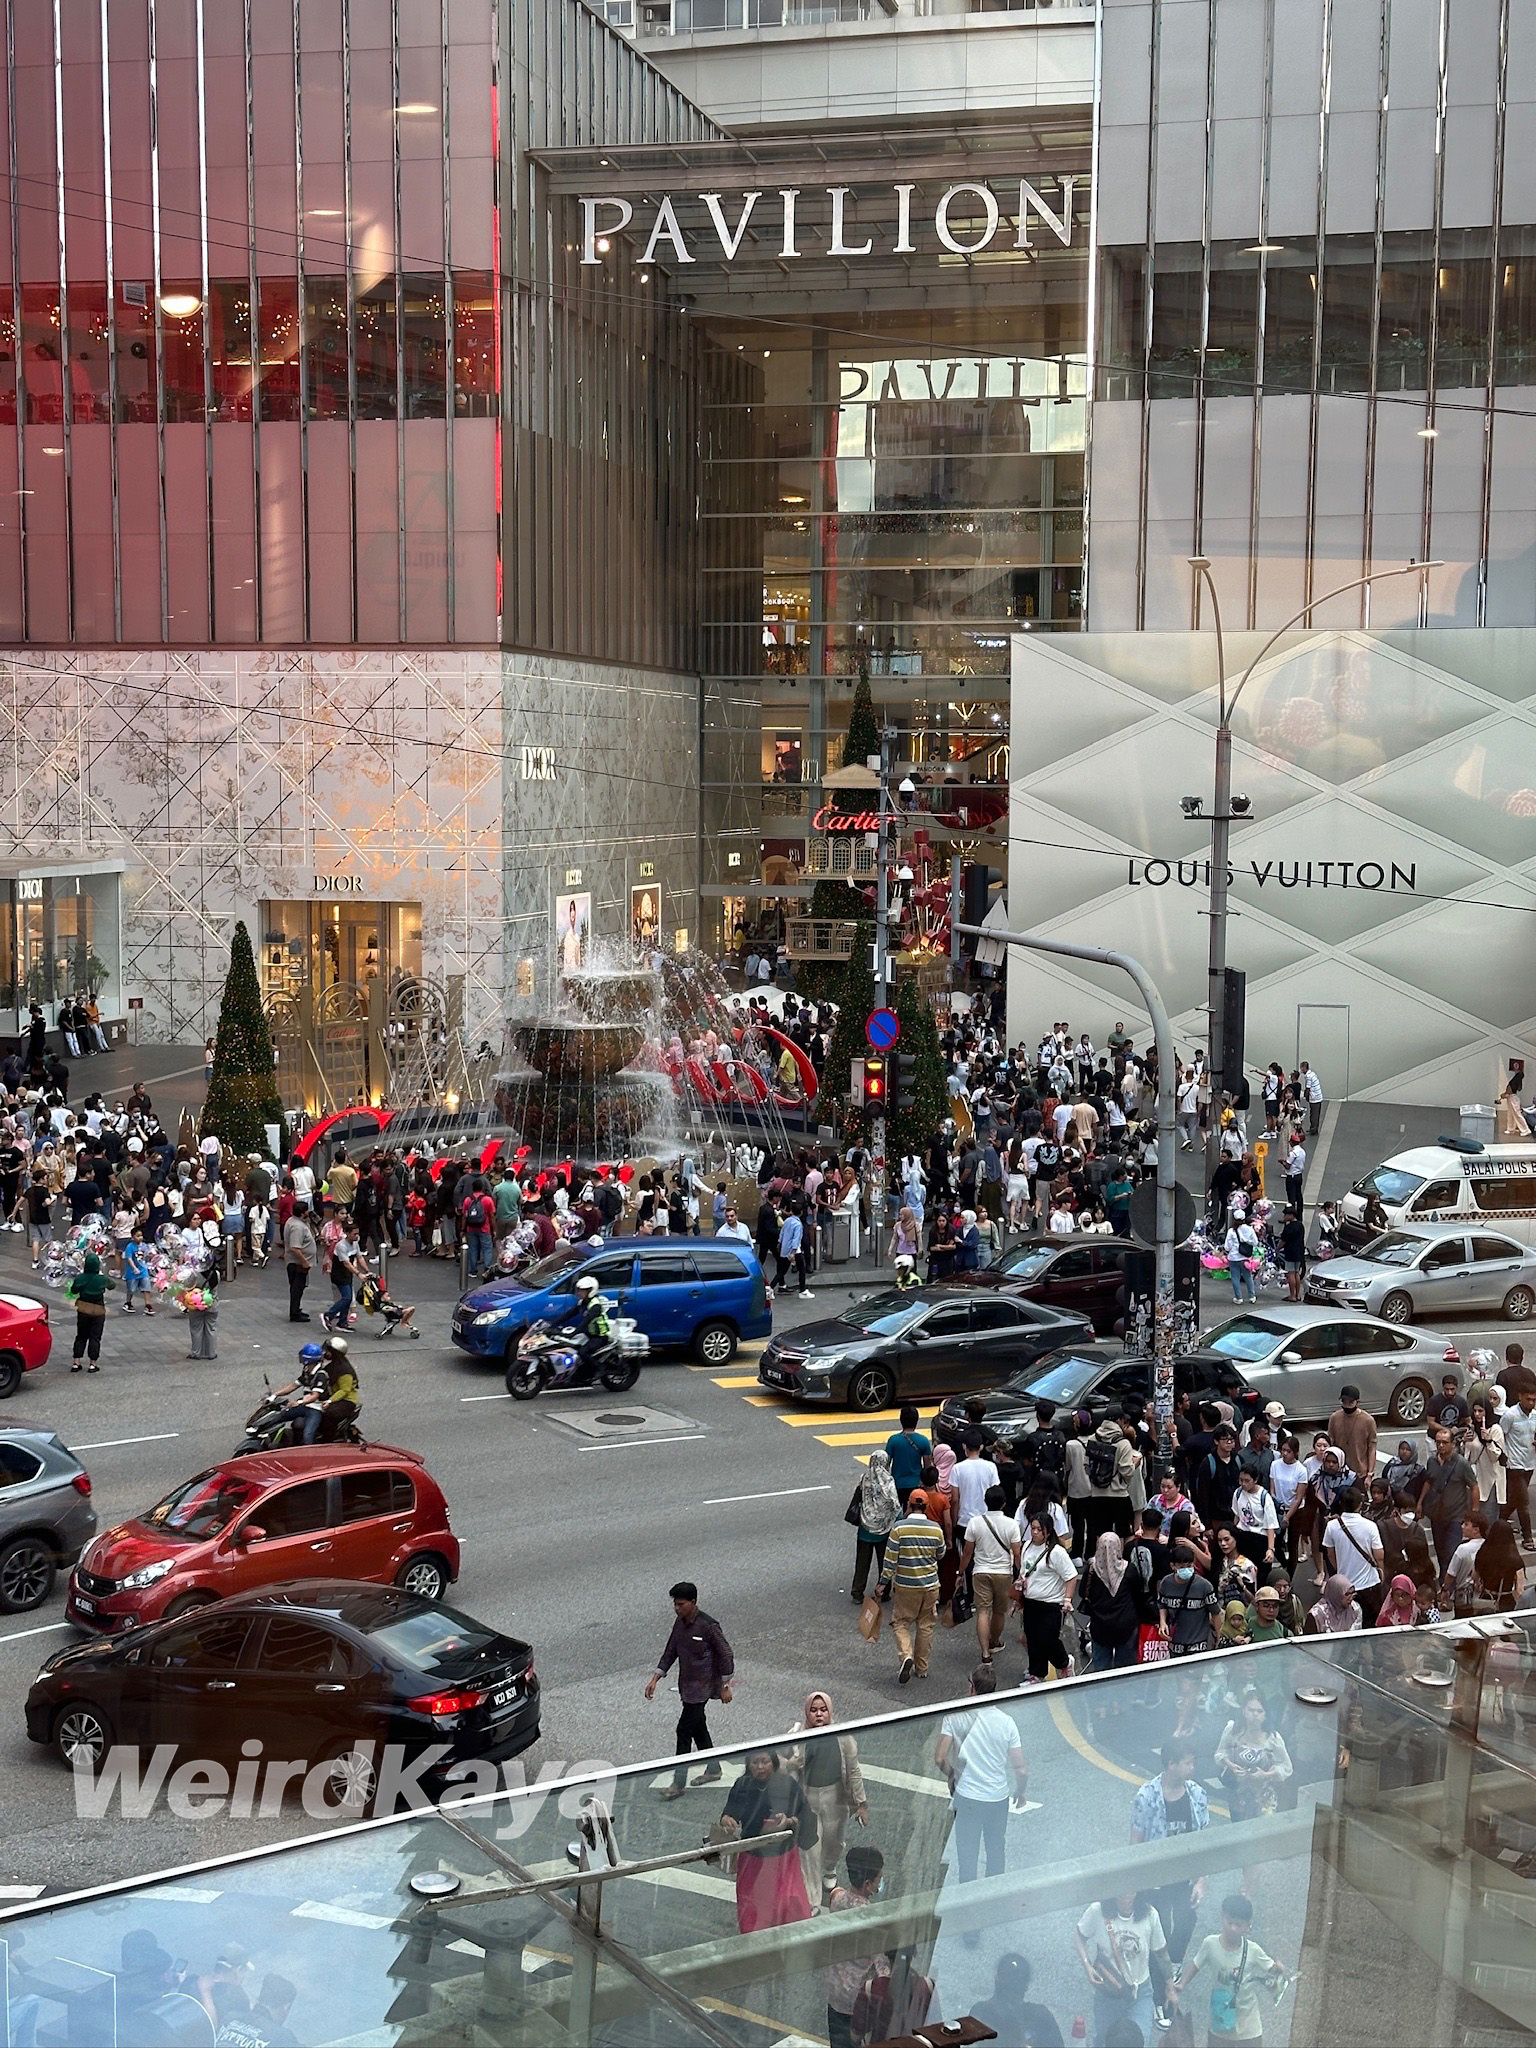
[[1368, 1828]]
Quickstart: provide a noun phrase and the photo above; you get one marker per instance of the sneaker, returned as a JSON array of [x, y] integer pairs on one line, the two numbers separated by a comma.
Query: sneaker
[[903, 1676], [805, 1294], [709, 1777], [672, 1792], [1163, 2016]]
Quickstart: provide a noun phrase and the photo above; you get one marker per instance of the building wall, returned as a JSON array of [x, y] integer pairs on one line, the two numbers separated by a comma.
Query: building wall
[[1318, 310], [1383, 892]]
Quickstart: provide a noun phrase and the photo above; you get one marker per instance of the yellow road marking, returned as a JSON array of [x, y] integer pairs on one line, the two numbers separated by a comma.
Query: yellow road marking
[[1073, 1736], [744, 1379], [857, 1436], [820, 1417]]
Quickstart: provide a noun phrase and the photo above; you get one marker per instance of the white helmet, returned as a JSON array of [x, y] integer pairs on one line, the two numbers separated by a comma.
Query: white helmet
[[904, 1262], [586, 1284]]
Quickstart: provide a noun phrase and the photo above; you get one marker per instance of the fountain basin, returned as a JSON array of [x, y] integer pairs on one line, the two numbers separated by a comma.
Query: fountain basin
[[573, 1053]]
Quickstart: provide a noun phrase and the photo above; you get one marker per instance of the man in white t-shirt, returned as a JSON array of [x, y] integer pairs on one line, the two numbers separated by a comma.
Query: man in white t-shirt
[[1460, 1585], [991, 1556], [970, 1479], [979, 1753], [303, 1180], [1518, 1419], [1354, 1549]]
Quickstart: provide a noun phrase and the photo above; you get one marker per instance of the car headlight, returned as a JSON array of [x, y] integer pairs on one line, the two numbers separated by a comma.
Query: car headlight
[[826, 1362], [487, 1316], [146, 1575]]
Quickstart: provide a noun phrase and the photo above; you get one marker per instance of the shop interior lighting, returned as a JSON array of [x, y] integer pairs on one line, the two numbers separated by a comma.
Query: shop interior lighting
[[180, 305]]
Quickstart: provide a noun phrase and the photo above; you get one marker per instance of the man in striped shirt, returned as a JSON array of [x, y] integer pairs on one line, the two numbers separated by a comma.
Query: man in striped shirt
[[912, 1554]]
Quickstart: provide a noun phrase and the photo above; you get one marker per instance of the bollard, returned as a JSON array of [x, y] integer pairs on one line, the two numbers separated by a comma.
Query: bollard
[[463, 1266], [384, 1251], [230, 1244]]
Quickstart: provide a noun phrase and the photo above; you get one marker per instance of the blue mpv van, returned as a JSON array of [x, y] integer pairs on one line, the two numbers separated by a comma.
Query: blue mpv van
[[691, 1293]]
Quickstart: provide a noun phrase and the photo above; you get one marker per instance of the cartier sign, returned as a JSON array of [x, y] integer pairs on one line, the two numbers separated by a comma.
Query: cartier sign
[[964, 219], [829, 820]]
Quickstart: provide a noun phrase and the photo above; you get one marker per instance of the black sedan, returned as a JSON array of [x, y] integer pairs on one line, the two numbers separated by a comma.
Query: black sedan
[[929, 1340], [1099, 1377], [318, 1670]]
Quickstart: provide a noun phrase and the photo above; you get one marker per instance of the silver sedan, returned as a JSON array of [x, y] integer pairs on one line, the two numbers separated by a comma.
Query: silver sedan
[[1300, 1354], [1434, 1269]]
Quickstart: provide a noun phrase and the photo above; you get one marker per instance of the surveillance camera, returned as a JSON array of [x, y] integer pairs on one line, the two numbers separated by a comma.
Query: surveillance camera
[[1191, 806], [1241, 806]]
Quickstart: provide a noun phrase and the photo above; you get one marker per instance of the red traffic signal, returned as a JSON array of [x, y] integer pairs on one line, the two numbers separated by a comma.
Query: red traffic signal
[[874, 1083]]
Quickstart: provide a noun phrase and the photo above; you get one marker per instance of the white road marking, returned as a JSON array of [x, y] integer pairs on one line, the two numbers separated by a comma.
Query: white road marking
[[485, 1397], [343, 1916], [47, 1629], [28, 1891], [635, 1443], [111, 1443], [730, 1500], [182, 1894]]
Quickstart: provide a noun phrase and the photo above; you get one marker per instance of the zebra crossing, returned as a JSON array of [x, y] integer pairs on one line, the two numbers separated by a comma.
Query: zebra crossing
[[841, 1429]]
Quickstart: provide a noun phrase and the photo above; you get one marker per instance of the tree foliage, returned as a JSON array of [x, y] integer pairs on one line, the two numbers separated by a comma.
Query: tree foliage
[[242, 1095], [854, 995], [913, 1124]]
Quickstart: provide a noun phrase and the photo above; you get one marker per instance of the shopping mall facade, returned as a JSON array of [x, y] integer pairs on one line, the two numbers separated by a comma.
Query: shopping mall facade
[[459, 461]]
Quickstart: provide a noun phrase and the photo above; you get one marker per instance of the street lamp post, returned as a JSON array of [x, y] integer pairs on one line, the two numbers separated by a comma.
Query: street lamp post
[[1222, 814]]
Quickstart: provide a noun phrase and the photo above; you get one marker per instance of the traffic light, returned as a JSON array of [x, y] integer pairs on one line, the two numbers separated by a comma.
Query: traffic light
[[902, 1081], [874, 1084]]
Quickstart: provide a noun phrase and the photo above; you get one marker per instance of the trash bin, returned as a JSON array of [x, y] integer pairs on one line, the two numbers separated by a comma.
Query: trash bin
[[838, 1238], [1478, 1122]]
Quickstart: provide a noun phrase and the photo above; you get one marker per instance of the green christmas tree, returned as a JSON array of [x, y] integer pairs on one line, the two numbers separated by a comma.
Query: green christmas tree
[[863, 737], [913, 1124], [242, 1095], [854, 995]]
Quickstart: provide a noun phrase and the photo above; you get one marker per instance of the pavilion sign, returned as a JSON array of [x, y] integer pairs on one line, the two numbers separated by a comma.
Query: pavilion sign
[[965, 219]]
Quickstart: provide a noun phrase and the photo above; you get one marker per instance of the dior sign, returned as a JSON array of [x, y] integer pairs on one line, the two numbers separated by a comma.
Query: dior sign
[[965, 219]]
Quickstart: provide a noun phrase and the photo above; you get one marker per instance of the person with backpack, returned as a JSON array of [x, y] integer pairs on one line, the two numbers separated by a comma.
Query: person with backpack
[[1214, 1480], [1050, 1451], [1111, 1460], [477, 1218]]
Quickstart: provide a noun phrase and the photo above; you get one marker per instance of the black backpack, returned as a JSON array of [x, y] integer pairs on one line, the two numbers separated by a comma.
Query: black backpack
[[1102, 1459]]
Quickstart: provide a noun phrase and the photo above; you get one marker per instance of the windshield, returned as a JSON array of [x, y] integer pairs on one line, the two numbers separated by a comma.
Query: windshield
[[1393, 1248], [887, 1315], [1391, 1183], [1025, 1263], [1063, 1379], [202, 1507], [545, 1272], [1246, 1337], [433, 1637]]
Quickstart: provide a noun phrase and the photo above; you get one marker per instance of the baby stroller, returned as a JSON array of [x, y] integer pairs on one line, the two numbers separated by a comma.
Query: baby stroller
[[376, 1300]]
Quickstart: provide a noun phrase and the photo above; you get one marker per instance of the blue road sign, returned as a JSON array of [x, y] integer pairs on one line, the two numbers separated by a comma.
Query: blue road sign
[[882, 1028]]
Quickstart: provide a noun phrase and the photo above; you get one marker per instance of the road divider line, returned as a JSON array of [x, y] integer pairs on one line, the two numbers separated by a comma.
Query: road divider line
[[730, 1500], [111, 1443], [484, 1397], [634, 1443], [47, 1628]]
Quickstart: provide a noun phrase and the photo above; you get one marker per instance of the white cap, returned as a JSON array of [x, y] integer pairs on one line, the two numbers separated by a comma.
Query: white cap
[[135, 1144]]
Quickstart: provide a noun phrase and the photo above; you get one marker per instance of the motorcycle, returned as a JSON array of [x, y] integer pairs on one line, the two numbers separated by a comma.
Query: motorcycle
[[268, 1427], [548, 1360]]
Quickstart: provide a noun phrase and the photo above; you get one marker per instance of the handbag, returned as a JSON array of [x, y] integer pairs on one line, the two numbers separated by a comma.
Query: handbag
[[720, 1836], [1114, 1979], [871, 1614], [853, 1513]]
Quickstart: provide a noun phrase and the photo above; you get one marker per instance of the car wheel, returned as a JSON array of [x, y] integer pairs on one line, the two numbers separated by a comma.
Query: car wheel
[[871, 1387], [11, 1370], [351, 1781], [26, 1574], [426, 1575], [714, 1344], [82, 1735], [1410, 1400], [1518, 1304], [187, 1603], [1397, 1308]]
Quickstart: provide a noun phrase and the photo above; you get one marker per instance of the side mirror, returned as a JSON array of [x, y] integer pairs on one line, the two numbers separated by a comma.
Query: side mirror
[[250, 1532], [919, 1335], [1290, 1358]]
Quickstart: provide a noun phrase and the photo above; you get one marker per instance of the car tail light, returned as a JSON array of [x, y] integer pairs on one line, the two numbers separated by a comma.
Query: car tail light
[[438, 1704], [81, 1482], [529, 1676]]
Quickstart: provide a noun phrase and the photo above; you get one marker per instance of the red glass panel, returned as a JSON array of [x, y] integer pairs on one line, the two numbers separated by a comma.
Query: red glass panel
[[279, 348], [474, 345]]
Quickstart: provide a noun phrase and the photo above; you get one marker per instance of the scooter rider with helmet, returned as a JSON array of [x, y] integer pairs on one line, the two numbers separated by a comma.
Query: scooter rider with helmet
[[346, 1398], [312, 1388], [589, 1324]]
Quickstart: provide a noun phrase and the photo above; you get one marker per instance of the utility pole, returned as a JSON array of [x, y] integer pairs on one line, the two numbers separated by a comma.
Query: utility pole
[[882, 965]]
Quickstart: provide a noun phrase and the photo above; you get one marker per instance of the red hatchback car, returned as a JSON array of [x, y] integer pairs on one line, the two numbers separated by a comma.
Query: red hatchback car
[[25, 1339], [326, 1511]]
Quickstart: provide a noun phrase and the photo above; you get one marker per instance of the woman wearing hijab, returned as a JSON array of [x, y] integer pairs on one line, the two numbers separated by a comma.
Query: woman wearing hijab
[[1400, 1609], [89, 1294], [1233, 1633], [1336, 1614], [1109, 1604], [827, 1767], [878, 1508], [770, 1888], [1405, 1473]]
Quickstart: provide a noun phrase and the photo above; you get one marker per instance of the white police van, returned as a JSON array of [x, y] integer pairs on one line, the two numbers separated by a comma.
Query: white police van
[[1456, 1181]]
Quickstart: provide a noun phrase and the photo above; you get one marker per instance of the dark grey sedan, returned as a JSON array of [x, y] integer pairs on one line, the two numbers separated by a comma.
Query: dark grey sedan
[[46, 1517], [927, 1341]]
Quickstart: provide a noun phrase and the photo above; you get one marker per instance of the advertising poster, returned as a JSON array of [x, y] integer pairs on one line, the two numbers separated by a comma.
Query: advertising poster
[[573, 929], [644, 916]]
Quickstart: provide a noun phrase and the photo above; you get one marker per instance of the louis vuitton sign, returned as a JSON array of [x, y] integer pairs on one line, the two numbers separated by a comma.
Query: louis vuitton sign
[[888, 220]]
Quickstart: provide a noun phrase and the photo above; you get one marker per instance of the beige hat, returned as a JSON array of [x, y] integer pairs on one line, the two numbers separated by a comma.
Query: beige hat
[[1275, 1410]]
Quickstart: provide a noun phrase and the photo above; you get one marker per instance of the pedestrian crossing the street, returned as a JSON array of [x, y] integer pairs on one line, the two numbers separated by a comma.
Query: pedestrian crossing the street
[[838, 1428]]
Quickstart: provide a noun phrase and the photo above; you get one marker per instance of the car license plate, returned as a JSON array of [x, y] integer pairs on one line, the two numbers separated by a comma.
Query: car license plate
[[505, 1697], [774, 1377], [84, 1605]]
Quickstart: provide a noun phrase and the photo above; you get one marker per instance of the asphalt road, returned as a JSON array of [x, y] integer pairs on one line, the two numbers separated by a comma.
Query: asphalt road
[[572, 1531]]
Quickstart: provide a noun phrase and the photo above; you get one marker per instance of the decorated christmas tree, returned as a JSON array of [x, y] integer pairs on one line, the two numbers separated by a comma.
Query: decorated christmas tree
[[854, 995], [912, 1125], [242, 1095]]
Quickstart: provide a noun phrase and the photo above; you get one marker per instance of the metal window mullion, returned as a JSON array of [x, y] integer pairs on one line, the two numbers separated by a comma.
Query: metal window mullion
[[159, 324], [1324, 106], [66, 386], [112, 392], [301, 316], [254, 316], [202, 204], [21, 386], [350, 283], [1431, 366], [1149, 263], [1197, 525], [1367, 531], [1490, 382], [450, 344], [1091, 366], [400, 551], [1261, 302]]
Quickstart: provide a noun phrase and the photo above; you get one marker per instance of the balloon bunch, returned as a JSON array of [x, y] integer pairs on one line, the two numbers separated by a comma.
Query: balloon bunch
[[64, 1258]]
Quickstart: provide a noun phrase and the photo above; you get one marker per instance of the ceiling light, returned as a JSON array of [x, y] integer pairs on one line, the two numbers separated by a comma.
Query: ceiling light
[[1264, 249], [603, 245], [325, 213], [180, 305], [1429, 433], [53, 451], [417, 107]]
